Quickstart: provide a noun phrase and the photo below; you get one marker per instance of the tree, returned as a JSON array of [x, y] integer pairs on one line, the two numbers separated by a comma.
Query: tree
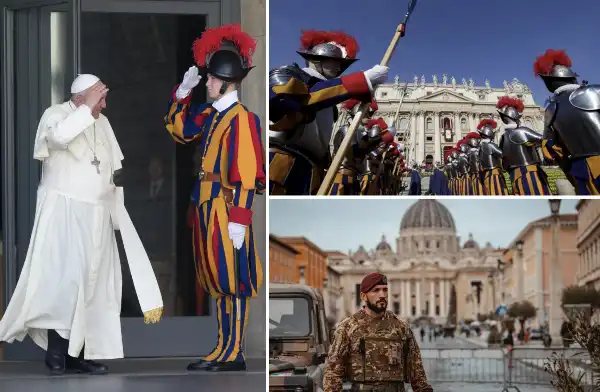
[[452, 307], [522, 311], [565, 377]]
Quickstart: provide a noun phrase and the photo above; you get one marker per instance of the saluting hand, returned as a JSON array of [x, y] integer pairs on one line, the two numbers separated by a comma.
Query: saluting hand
[[190, 80], [94, 95]]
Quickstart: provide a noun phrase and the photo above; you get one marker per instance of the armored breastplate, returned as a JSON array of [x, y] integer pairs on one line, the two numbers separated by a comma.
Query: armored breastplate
[[371, 166], [489, 156], [516, 150], [312, 138], [575, 116], [474, 160], [463, 164], [449, 172]]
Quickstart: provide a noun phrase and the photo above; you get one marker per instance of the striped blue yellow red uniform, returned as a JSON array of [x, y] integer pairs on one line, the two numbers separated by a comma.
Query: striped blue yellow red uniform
[[343, 184], [233, 159], [494, 183], [290, 172], [366, 183], [530, 180], [583, 173], [462, 180], [476, 185]]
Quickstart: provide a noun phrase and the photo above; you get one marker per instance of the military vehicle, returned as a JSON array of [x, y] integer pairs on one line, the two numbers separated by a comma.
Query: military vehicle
[[298, 338]]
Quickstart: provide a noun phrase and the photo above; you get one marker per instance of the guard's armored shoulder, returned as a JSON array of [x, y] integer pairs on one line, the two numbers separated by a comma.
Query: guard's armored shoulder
[[522, 135], [586, 98], [282, 76]]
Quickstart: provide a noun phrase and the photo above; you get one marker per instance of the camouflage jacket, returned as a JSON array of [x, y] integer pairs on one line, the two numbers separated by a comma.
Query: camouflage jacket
[[374, 351]]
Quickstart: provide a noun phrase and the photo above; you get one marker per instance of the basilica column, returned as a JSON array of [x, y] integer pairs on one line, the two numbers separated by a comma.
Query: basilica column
[[418, 292], [412, 150], [437, 155], [421, 151], [442, 298], [407, 299], [456, 128], [432, 298], [390, 297]]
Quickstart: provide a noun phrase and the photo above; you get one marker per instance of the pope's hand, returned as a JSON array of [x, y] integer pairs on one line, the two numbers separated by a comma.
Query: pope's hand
[[237, 234], [190, 80]]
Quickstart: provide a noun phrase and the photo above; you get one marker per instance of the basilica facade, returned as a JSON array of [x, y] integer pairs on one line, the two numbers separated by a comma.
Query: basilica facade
[[434, 115], [426, 263]]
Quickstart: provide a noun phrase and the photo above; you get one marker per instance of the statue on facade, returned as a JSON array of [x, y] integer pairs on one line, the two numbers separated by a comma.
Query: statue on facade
[[416, 80], [422, 80], [471, 83], [505, 83], [444, 79], [396, 80], [464, 83], [453, 82], [487, 84], [435, 80]]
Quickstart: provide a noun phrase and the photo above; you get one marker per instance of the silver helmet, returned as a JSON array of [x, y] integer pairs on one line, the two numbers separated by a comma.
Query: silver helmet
[[449, 158], [510, 109], [486, 128], [323, 45], [554, 64], [474, 141], [454, 155], [464, 147]]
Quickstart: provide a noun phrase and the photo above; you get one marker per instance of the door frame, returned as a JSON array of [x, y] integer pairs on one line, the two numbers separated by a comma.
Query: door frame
[[136, 335]]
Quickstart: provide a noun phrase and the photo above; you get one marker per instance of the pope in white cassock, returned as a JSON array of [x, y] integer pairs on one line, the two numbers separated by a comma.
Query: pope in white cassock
[[68, 298]]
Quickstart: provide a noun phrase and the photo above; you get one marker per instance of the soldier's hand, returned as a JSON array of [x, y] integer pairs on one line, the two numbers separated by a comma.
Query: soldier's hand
[[377, 75], [190, 80]]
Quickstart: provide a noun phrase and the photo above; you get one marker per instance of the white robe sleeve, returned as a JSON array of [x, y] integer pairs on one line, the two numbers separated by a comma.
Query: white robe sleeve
[[56, 131]]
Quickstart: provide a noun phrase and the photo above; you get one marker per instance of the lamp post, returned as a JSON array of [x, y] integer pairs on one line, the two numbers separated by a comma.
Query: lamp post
[[555, 276], [520, 270]]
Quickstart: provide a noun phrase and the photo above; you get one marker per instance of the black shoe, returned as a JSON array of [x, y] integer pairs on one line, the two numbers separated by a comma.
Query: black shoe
[[85, 366], [56, 353], [227, 367], [201, 364]]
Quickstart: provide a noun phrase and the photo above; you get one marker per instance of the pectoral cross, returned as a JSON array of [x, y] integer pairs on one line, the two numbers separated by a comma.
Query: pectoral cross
[[96, 163]]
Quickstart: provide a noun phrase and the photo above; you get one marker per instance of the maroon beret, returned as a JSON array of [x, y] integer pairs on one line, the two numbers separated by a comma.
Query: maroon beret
[[372, 280]]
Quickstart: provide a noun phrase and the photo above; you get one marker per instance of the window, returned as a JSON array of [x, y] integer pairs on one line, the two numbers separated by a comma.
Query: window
[[357, 295], [428, 92], [437, 310], [429, 138], [463, 125], [383, 94], [404, 124], [289, 317], [481, 97], [414, 311], [397, 307], [429, 124]]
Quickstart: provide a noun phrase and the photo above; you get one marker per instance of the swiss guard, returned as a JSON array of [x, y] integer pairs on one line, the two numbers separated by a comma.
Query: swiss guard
[[572, 133], [490, 157], [519, 146], [232, 172], [302, 109], [463, 167], [474, 140], [346, 179], [378, 133]]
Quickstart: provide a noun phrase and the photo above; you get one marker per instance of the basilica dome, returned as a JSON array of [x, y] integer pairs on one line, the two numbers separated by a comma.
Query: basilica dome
[[427, 214]]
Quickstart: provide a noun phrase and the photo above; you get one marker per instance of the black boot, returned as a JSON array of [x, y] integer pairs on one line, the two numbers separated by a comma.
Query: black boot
[[56, 353], [234, 366], [80, 365], [201, 364]]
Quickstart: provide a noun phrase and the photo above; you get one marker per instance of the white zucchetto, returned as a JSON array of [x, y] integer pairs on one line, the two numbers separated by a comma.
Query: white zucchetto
[[83, 82]]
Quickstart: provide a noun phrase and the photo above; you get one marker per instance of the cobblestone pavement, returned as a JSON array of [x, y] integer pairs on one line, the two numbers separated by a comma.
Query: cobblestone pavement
[[466, 367]]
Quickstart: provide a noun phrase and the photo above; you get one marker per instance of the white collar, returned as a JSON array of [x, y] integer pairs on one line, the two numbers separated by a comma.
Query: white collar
[[226, 101], [566, 87], [314, 73]]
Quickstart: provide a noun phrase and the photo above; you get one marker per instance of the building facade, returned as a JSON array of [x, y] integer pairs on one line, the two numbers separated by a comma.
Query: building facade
[[434, 115], [282, 261], [588, 242], [141, 50], [427, 264], [311, 262], [530, 267]]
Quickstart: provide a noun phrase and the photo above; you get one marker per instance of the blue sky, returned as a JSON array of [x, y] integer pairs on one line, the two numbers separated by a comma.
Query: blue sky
[[343, 224], [498, 40]]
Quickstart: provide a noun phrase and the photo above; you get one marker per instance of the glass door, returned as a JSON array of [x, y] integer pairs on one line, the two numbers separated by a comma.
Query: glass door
[[141, 50], [38, 62]]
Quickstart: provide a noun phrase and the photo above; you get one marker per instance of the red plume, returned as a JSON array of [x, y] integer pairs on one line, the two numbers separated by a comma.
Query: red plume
[[311, 38], [460, 143], [544, 64], [350, 104], [473, 135], [509, 101], [487, 121], [387, 136], [212, 39], [373, 105], [454, 149]]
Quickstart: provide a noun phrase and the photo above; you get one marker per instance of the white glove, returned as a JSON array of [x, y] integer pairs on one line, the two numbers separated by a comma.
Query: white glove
[[400, 147], [237, 234], [190, 80], [377, 75]]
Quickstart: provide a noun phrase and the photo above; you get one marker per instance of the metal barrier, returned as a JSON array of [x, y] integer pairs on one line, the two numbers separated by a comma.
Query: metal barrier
[[509, 369]]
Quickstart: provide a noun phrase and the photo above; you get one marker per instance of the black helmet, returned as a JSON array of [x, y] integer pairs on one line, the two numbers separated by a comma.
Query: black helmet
[[227, 65]]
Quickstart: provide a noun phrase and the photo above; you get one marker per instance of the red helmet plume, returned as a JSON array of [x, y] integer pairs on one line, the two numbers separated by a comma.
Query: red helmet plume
[[509, 101], [312, 38], [545, 63], [350, 104], [373, 105], [473, 135], [487, 121], [212, 39]]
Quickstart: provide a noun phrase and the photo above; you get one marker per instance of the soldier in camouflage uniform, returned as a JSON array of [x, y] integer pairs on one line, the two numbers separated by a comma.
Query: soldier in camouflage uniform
[[373, 349]]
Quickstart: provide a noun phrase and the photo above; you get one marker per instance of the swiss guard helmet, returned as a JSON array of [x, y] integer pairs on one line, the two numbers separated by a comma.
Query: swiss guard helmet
[[510, 109], [554, 67], [474, 139], [225, 52], [328, 45], [486, 128]]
